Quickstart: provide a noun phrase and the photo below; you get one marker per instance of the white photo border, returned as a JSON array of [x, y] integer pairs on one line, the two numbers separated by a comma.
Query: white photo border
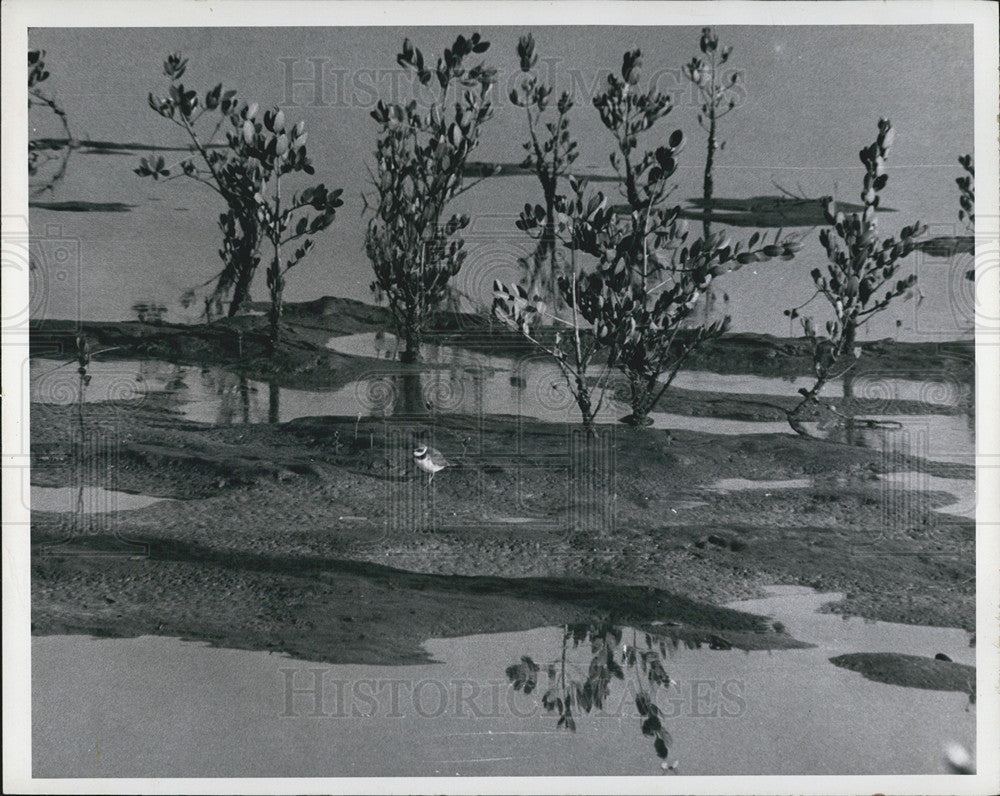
[[20, 15]]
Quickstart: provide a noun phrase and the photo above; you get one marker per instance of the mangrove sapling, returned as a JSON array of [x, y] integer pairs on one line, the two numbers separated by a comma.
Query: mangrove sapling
[[220, 168], [717, 92], [860, 264], [641, 296], [247, 173], [580, 226], [420, 157], [277, 151], [550, 152]]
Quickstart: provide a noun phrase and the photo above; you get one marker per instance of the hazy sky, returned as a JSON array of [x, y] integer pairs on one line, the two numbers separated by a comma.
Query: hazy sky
[[812, 93]]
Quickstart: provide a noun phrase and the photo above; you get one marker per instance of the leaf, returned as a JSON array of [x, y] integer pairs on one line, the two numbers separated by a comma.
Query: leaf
[[212, 97], [661, 748]]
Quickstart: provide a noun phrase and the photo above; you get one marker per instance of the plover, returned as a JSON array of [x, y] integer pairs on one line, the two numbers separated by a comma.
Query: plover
[[430, 460]]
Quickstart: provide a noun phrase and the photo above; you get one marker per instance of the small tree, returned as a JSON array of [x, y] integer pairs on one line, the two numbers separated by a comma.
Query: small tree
[[716, 92], [277, 151], [860, 266], [219, 168], [420, 157], [581, 226], [247, 172], [641, 297], [967, 189], [550, 153]]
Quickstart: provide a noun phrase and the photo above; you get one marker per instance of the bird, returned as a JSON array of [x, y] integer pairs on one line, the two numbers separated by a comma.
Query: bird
[[430, 460]]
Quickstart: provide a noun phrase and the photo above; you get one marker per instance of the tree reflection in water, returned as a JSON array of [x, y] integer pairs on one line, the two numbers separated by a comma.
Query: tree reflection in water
[[570, 695]]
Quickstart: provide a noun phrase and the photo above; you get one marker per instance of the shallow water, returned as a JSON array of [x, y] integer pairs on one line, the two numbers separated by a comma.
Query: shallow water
[[532, 388], [739, 484], [941, 438], [963, 490], [873, 387], [229, 713], [458, 381], [204, 395], [868, 386], [470, 382], [91, 499], [717, 425]]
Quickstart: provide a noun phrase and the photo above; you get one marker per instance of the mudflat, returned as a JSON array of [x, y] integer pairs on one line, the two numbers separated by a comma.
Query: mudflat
[[318, 537]]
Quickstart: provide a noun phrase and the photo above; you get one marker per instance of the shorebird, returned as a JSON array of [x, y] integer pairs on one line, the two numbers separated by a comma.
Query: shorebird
[[429, 460]]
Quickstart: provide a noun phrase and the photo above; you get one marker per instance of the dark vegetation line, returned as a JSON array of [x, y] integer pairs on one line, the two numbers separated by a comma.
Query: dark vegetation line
[[112, 147], [78, 206]]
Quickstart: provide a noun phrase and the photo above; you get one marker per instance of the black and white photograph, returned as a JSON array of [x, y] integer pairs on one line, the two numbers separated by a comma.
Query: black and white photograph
[[474, 397]]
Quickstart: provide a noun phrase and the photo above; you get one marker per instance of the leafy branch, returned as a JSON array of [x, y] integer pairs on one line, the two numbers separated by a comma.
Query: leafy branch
[[550, 151], [860, 264], [579, 224], [967, 189], [38, 74], [717, 94]]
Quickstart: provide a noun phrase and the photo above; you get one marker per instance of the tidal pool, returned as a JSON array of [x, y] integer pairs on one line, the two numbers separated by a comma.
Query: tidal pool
[[89, 499], [963, 490], [877, 387], [740, 484], [154, 706]]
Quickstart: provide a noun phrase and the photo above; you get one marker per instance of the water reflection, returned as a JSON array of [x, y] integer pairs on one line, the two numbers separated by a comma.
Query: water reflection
[[934, 436], [731, 714], [574, 689], [457, 381], [880, 388], [871, 387], [940, 438], [87, 499]]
